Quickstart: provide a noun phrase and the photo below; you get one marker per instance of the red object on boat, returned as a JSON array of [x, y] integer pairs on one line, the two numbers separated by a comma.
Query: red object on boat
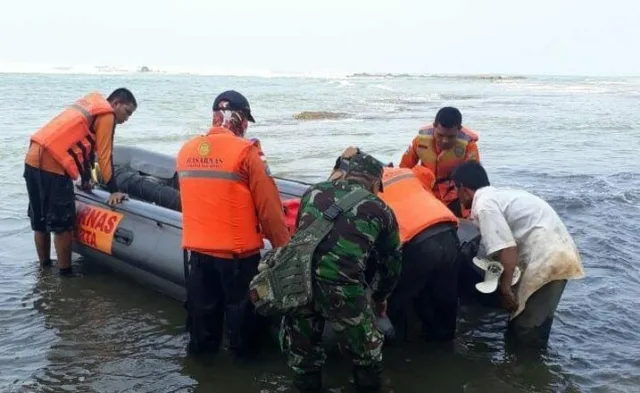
[[291, 207]]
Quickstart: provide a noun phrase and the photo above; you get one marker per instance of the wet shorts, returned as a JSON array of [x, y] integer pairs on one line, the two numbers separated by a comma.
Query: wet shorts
[[52, 205]]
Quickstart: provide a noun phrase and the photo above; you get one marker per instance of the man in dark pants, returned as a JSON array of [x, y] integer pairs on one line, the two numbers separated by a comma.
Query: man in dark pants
[[62, 151], [221, 287], [428, 282], [229, 203], [428, 233]]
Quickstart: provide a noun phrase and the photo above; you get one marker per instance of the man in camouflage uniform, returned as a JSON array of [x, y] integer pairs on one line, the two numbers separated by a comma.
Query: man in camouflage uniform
[[339, 282]]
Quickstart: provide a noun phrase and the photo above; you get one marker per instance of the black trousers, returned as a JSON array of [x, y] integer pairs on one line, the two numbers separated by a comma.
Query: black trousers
[[218, 288], [429, 282]]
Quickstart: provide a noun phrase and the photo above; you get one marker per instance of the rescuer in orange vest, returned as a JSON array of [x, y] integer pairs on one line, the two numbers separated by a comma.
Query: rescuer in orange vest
[[229, 203], [442, 146], [60, 152], [428, 232]]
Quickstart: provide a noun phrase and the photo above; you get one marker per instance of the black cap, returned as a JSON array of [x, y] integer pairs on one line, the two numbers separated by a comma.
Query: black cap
[[237, 102]]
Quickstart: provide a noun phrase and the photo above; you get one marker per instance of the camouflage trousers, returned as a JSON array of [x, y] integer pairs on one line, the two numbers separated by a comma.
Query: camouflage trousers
[[348, 311]]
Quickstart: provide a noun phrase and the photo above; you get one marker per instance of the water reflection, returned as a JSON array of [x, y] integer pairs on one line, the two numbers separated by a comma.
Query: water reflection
[[110, 334]]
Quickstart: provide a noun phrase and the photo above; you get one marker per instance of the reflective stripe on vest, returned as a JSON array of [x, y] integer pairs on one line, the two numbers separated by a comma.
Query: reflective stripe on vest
[[209, 174], [397, 178], [82, 110], [415, 208]]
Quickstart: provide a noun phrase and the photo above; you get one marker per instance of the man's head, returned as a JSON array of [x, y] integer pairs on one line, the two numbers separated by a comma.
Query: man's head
[[231, 110], [123, 103], [446, 126], [469, 177], [366, 170]]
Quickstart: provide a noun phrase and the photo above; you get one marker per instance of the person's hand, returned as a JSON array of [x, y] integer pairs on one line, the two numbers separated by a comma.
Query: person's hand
[[381, 308], [116, 198], [86, 186], [350, 152], [509, 301]]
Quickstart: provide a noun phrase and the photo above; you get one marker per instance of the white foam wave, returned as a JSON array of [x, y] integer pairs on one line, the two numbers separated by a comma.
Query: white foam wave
[[88, 69], [36, 68], [571, 87], [382, 87]]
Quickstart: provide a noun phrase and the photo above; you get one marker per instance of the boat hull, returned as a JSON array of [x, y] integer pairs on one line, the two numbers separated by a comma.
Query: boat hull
[[142, 240]]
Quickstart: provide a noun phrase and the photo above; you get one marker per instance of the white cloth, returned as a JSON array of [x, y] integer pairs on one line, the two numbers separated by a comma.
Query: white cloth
[[509, 217]]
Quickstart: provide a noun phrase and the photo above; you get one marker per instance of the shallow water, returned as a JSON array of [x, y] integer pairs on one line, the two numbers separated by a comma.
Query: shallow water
[[572, 141]]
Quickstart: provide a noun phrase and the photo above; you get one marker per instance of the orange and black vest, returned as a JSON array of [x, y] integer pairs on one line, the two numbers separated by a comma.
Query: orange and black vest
[[415, 208], [69, 137], [443, 163], [218, 211]]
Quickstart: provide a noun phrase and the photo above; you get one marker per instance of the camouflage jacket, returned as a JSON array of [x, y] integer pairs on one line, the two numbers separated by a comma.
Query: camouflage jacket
[[370, 226]]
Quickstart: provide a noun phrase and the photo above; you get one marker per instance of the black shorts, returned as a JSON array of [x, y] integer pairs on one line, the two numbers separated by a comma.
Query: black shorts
[[52, 205]]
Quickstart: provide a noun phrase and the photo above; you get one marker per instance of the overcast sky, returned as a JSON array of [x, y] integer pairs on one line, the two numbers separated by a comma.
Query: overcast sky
[[448, 36]]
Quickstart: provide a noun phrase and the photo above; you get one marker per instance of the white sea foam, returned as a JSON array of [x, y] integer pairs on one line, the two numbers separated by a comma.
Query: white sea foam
[[88, 69]]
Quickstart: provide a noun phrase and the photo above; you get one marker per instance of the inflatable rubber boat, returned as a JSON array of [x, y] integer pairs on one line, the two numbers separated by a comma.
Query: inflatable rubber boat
[[141, 237]]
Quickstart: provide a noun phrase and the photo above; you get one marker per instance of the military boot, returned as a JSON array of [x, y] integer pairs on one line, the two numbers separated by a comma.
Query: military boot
[[368, 378], [309, 382]]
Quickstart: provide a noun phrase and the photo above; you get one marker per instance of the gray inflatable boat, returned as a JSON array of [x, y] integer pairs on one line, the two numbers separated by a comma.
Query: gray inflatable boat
[[141, 237]]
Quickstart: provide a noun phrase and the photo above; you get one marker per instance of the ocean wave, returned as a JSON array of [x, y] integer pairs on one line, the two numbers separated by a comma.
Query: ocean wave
[[623, 177], [430, 99], [382, 87], [574, 87], [102, 69], [488, 77], [580, 191], [92, 69], [580, 201]]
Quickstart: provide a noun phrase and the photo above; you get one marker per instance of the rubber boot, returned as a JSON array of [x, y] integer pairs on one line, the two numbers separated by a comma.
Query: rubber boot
[[309, 382], [368, 378]]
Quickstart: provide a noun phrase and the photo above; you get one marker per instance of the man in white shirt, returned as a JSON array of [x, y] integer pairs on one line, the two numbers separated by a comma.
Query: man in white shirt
[[520, 229]]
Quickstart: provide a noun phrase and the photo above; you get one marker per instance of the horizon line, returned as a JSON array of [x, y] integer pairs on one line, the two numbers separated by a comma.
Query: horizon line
[[50, 69]]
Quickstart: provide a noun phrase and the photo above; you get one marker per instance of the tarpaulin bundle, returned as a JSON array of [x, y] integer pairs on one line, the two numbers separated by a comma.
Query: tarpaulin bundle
[[147, 188]]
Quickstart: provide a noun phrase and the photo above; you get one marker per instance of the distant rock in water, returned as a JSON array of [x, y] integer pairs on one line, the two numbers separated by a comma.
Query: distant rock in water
[[368, 75], [500, 77], [385, 75], [489, 77], [144, 69], [319, 115]]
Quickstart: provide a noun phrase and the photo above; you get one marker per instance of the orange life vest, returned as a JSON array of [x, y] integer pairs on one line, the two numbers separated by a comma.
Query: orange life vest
[[415, 208], [69, 137], [218, 211], [443, 163]]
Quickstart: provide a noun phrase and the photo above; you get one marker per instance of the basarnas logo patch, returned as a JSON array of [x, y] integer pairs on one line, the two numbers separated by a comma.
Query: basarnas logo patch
[[204, 149]]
